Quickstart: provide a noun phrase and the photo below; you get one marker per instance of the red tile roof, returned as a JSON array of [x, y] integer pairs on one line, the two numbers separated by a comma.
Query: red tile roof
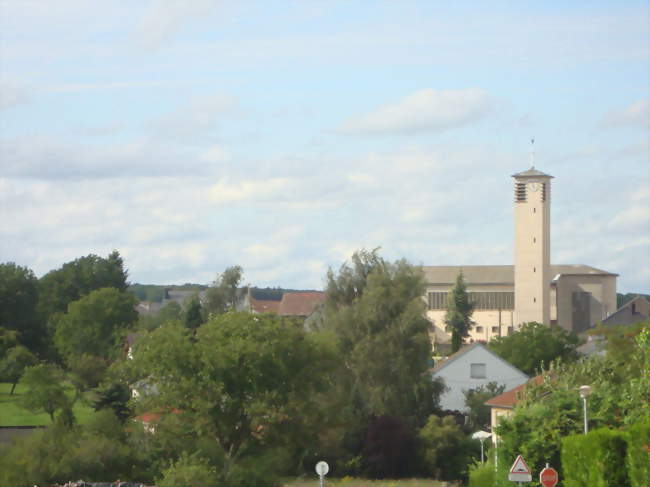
[[300, 304], [510, 398], [264, 305]]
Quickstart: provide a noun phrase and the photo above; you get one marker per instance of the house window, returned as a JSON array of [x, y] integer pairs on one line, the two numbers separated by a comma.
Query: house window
[[510, 330], [479, 329], [477, 371], [495, 329]]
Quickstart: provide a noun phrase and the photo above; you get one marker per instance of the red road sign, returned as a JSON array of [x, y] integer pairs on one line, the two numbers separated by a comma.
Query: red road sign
[[548, 477]]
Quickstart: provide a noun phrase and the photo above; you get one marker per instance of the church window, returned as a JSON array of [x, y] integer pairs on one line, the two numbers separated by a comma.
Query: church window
[[477, 371], [479, 329], [495, 329], [534, 269], [437, 300], [492, 300]]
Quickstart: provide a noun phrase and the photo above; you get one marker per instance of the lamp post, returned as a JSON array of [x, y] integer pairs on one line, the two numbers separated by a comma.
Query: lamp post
[[584, 394], [481, 435]]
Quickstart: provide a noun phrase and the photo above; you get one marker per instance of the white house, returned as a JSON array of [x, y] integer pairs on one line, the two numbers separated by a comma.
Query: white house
[[471, 367]]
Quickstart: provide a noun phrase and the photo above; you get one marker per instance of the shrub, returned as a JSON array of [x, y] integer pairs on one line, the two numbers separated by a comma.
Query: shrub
[[190, 471], [638, 454], [595, 459], [482, 475]]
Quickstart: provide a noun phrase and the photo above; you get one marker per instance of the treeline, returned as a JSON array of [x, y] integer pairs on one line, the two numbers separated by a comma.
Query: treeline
[[230, 398]]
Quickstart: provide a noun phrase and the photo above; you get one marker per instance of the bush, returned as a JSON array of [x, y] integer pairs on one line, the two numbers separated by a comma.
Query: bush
[[190, 471], [445, 450], [482, 475], [595, 459], [638, 454]]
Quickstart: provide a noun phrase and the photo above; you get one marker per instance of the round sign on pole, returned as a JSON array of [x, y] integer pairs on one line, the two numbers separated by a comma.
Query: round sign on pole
[[322, 468], [548, 477]]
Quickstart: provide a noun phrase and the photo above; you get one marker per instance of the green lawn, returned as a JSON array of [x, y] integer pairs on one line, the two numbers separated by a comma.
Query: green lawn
[[11, 414], [350, 482]]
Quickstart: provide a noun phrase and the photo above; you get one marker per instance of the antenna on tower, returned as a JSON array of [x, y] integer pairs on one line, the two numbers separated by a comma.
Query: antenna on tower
[[532, 153]]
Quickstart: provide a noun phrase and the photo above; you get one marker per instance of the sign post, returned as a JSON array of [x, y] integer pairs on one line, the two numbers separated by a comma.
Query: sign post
[[548, 477], [321, 469], [519, 472]]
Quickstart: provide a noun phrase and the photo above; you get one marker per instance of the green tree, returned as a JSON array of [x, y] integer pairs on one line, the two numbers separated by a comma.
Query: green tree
[[190, 471], [445, 449], [46, 390], [376, 311], [60, 287], [115, 397], [193, 316], [14, 364], [534, 346], [223, 294], [479, 413], [94, 324], [18, 306], [85, 372], [240, 382], [458, 317]]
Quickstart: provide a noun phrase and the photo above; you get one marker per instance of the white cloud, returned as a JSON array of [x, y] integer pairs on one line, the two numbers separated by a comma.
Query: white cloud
[[251, 190], [165, 18], [423, 111], [13, 94], [636, 114]]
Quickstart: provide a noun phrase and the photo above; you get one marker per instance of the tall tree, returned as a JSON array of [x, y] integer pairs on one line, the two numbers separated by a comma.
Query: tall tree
[[193, 316], [458, 317], [223, 294], [94, 324], [18, 305], [75, 279], [376, 311]]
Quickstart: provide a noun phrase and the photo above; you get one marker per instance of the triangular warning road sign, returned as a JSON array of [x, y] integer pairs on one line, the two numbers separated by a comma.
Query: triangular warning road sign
[[519, 466], [519, 472]]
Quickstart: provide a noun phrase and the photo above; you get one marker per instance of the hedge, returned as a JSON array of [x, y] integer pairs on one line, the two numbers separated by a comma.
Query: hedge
[[597, 459], [638, 454]]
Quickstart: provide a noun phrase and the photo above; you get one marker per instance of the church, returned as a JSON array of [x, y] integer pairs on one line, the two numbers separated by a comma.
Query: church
[[572, 296]]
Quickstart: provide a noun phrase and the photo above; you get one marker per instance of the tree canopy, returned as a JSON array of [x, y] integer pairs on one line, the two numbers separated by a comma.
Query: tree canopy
[[75, 279], [93, 324], [376, 311], [18, 305], [534, 346]]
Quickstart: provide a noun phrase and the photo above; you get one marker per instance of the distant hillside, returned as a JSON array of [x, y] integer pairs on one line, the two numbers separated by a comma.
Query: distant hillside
[[156, 292], [621, 299]]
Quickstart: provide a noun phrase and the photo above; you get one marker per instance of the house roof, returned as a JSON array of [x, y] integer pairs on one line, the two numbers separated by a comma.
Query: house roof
[[467, 348], [498, 274], [301, 303], [531, 173], [264, 305], [641, 308], [509, 398]]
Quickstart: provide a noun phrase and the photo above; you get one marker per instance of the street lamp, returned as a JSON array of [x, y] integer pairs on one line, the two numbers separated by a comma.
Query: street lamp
[[584, 394], [481, 435]]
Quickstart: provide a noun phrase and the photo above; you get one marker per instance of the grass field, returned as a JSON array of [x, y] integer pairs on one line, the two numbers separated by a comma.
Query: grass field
[[349, 482], [11, 414]]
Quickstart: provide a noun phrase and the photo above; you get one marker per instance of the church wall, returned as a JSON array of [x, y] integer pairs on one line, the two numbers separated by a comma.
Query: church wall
[[572, 295]]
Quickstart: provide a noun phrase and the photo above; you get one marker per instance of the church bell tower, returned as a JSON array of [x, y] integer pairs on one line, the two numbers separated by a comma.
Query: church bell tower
[[532, 246]]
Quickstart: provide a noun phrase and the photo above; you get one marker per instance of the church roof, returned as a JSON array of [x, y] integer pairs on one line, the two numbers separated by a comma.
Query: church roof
[[531, 173], [498, 274]]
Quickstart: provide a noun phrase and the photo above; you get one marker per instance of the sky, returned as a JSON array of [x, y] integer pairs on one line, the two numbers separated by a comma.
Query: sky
[[281, 136]]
